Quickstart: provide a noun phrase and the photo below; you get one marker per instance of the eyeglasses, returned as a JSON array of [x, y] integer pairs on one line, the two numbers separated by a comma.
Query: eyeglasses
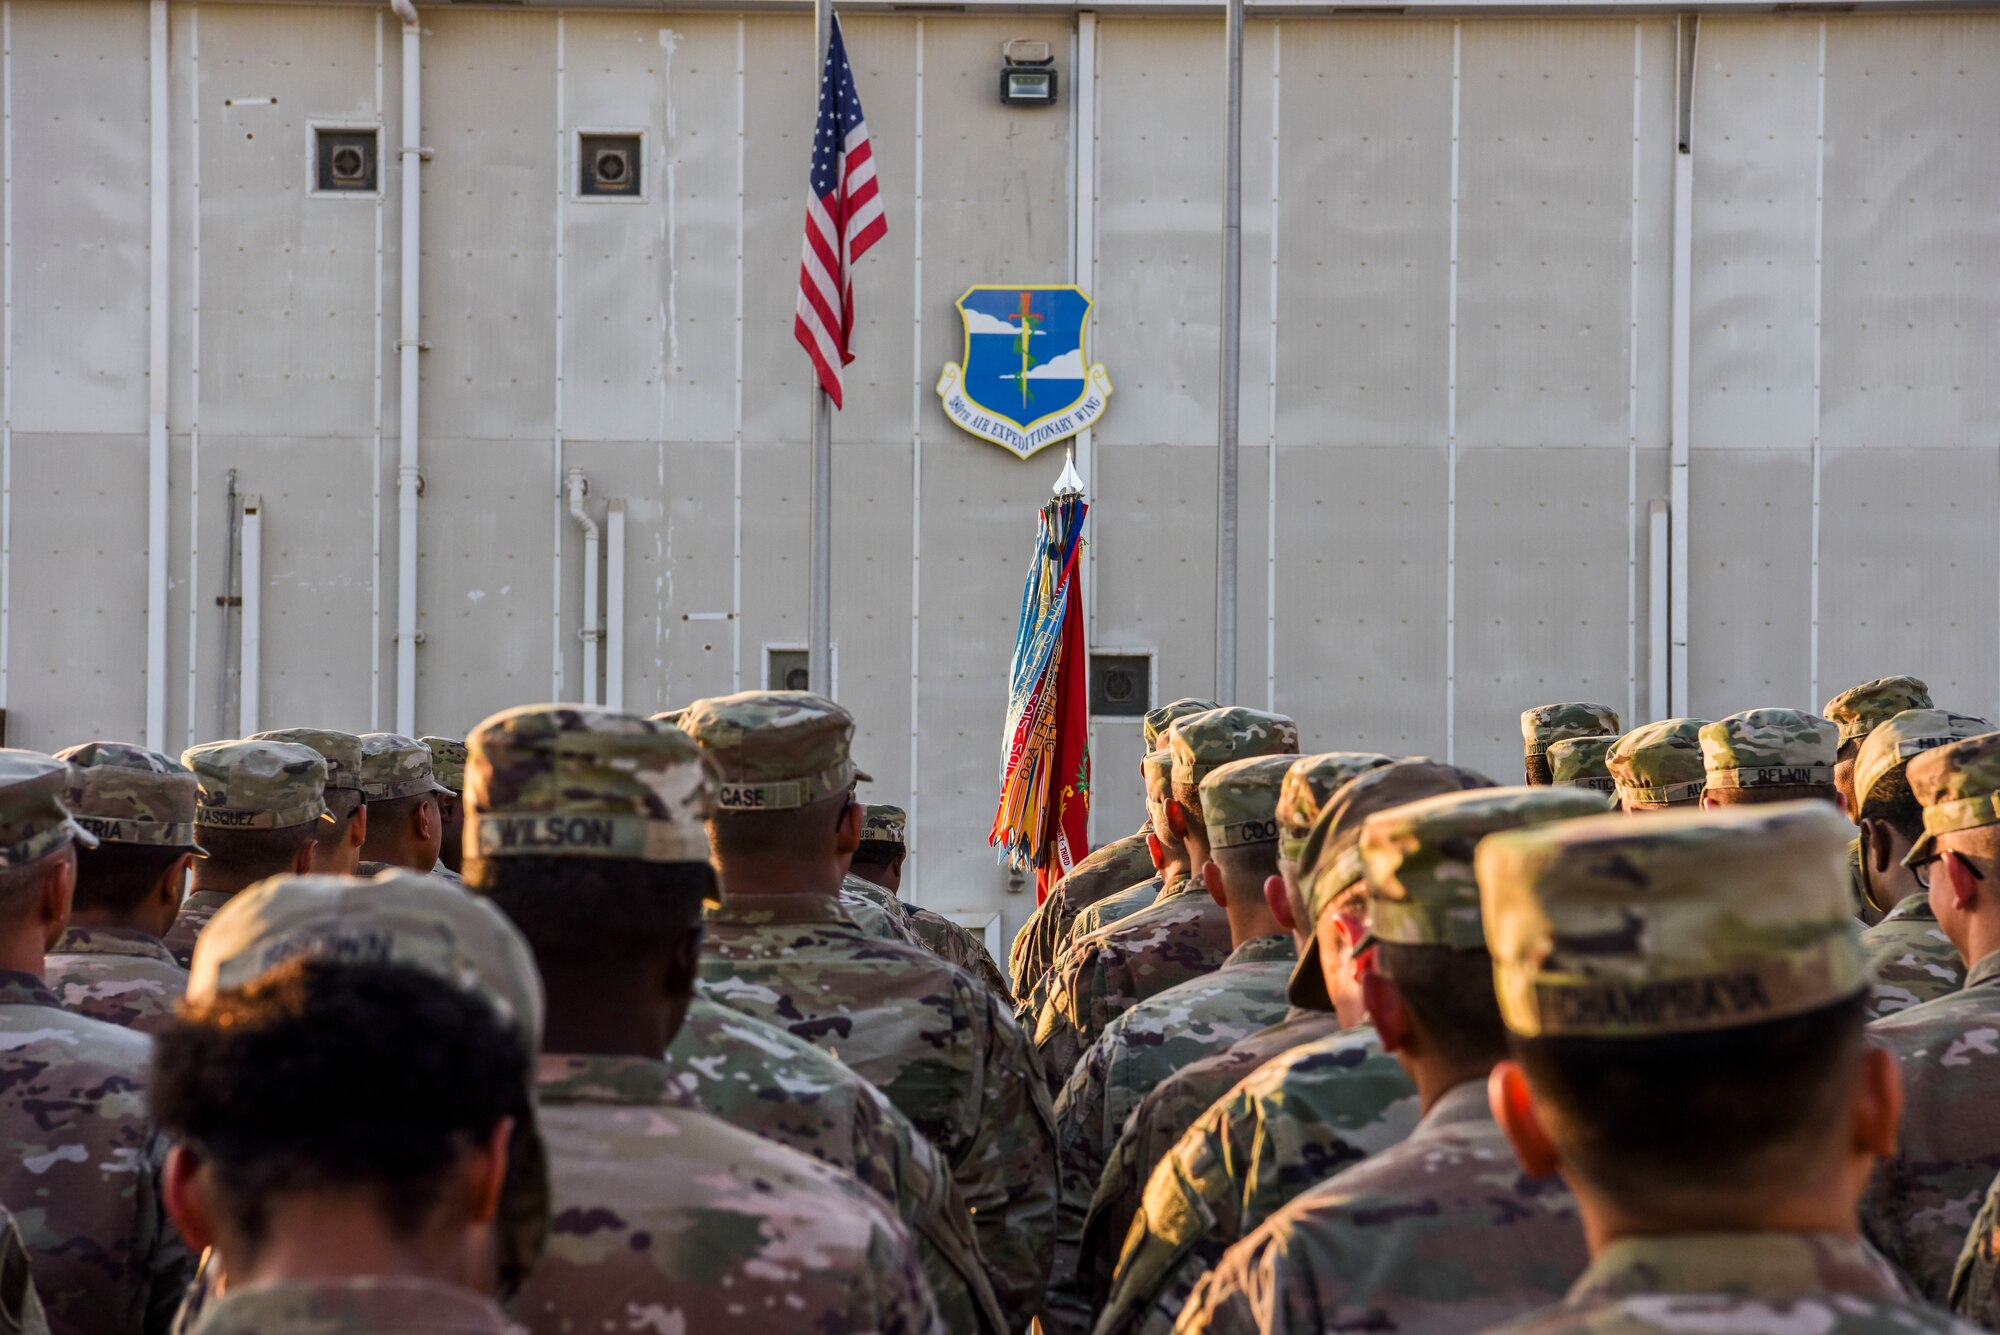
[[1922, 870]]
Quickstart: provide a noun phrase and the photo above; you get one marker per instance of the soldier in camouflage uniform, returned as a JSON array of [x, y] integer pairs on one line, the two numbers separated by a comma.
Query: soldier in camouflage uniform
[[1975, 1281], [1184, 934], [448, 768], [1658, 766], [1767, 755], [1856, 712], [111, 963], [1441, 1233], [340, 836], [1205, 1015], [1303, 1115], [1172, 1106], [1116, 866], [783, 949], [258, 814], [1545, 725], [329, 1203], [879, 862], [585, 827], [1910, 958], [1580, 762], [20, 1306], [760, 1078], [84, 1167], [1922, 1197], [1684, 998], [405, 820]]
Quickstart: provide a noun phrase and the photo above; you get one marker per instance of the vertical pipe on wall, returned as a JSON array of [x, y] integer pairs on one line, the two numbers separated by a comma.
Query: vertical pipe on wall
[[1687, 34], [1451, 428], [408, 475], [915, 883], [194, 376], [736, 456], [159, 301], [249, 717], [1231, 377], [1271, 402], [1632, 411], [614, 605], [1083, 266], [578, 486], [375, 433], [564, 166], [6, 333], [1657, 649], [1819, 235]]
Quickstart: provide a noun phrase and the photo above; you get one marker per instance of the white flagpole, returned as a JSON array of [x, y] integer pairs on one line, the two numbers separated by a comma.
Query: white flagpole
[[1231, 369], [819, 602]]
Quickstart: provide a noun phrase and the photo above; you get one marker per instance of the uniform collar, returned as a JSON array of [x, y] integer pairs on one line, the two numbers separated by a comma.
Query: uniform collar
[[1911, 908], [1461, 1105], [1984, 973], [1178, 885], [127, 941], [578, 1077], [1747, 1263], [25, 989], [373, 1303], [781, 910], [207, 899], [1264, 950]]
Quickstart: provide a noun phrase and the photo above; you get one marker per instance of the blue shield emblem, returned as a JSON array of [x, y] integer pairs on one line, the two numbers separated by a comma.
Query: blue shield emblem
[[1024, 382]]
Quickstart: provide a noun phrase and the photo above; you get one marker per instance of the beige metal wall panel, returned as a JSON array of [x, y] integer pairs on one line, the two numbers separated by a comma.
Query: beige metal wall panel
[[1755, 156], [1363, 236], [288, 278], [1541, 591], [777, 111], [1361, 596], [1913, 130], [1545, 233], [871, 610], [489, 274], [77, 642], [1890, 602], [1749, 580], [482, 580], [1117, 790], [80, 135]]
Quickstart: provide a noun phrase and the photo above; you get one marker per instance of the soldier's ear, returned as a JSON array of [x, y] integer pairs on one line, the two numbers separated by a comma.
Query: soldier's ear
[[57, 895], [1878, 1103], [1211, 876], [1386, 1010], [1177, 820], [1513, 1107], [1158, 852], [357, 825], [1279, 902], [185, 1190]]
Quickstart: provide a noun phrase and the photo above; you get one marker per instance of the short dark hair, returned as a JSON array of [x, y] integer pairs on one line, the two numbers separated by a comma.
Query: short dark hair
[[1727, 1109], [1773, 792], [322, 1076], [395, 812], [879, 853], [1247, 867], [805, 831], [254, 852], [1451, 993], [569, 908], [1540, 773], [342, 803], [115, 878], [1890, 800]]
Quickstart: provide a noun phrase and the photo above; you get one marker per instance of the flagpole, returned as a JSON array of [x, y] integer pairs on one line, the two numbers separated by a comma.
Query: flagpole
[[1231, 369], [819, 602]]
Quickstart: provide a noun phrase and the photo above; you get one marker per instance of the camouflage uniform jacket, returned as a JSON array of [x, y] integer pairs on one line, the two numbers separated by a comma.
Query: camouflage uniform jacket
[[757, 1077], [1106, 871], [195, 912], [1029, 1006], [1753, 1283], [871, 914], [1134, 1053], [370, 1306], [118, 975], [949, 941], [1161, 1119], [84, 1164], [926, 1034], [1920, 1201], [1115, 908], [1291, 1124], [1437, 1235], [1184, 935], [667, 1218], [1910, 958], [1975, 1284], [20, 1307]]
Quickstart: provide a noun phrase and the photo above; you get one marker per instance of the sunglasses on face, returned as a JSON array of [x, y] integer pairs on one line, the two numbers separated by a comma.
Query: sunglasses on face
[[1922, 870]]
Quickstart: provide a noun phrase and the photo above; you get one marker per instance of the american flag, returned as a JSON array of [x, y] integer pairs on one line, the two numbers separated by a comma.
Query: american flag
[[843, 218]]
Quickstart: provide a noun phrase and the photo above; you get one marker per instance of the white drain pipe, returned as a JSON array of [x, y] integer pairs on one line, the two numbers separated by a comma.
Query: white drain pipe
[[409, 480], [578, 486], [614, 605], [250, 681], [157, 357]]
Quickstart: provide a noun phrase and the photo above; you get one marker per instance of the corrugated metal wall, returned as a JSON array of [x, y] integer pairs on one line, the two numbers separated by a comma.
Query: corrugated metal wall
[[1457, 359]]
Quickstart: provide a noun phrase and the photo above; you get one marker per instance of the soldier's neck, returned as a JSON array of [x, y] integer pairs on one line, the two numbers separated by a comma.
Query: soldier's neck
[[102, 921], [1826, 1210], [224, 880], [609, 1017], [335, 1236], [753, 875]]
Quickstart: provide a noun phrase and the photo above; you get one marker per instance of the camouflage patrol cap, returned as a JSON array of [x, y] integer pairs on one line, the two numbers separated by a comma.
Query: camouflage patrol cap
[[1157, 768], [1959, 786], [394, 766], [1202, 742], [883, 824], [340, 750], [125, 794], [1417, 858], [1330, 868], [1892, 744], [447, 761], [1659, 764], [1239, 801], [1545, 724], [418, 922], [1684, 922], [670, 716], [1163, 717], [1859, 710], [581, 781], [1760, 747], [775, 750], [33, 821], [1309, 781], [1578, 762], [257, 785]]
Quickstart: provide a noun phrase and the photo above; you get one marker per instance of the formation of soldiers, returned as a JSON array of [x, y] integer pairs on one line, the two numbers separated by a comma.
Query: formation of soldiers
[[594, 1022]]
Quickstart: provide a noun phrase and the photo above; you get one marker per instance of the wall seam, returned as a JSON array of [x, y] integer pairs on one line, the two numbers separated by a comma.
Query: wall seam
[[1451, 429]]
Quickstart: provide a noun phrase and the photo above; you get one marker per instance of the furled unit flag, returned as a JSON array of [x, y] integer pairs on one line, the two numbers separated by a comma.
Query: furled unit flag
[[843, 218], [1044, 812]]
